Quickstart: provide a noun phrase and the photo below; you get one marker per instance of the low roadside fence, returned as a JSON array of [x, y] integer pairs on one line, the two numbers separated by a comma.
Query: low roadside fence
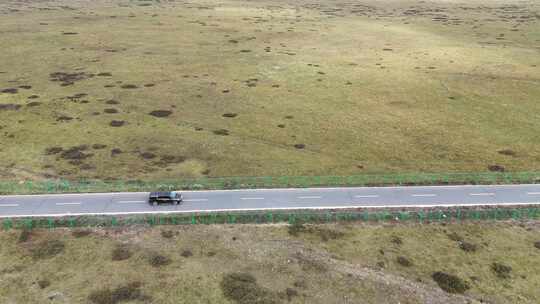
[[315, 217], [220, 183]]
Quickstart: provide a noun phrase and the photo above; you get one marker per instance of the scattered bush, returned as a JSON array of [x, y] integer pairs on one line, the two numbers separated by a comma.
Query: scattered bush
[[167, 234], [24, 236], [537, 244], [47, 249], [242, 288], [44, 283], [468, 247], [81, 233], [450, 283], [158, 260], [455, 237], [502, 271], [121, 252], [296, 228], [129, 292], [186, 253], [396, 240], [403, 261]]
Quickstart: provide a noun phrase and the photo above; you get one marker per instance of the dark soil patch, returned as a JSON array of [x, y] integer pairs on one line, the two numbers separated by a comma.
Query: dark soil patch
[[160, 113], [105, 74], [290, 294], [33, 104], [223, 132], [149, 85], [501, 270], [281, 126], [33, 96], [507, 152], [496, 168], [170, 159], [403, 261], [225, 91], [47, 249], [117, 123], [129, 86], [299, 146], [242, 288], [9, 107], [10, 91], [186, 253], [129, 292], [70, 33], [121, 252], [110, 111], [450, 283], [148, 155], [158, 260], [112, 102], [537, 244], [289, 117], [98, 146], [53, 150], [25, 87], [230, 115], [43, 283]]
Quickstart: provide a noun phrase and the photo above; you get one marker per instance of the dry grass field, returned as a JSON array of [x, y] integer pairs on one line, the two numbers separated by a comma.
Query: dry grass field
[[270, 264], [166, 89]]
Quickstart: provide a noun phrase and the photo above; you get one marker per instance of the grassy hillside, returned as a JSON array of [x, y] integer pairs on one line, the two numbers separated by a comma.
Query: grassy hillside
[[166, 89], [353, 263]]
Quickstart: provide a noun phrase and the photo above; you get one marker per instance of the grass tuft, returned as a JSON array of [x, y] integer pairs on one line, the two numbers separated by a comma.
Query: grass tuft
[[450, 283], [501, 270], [129, 292], [242, 288]]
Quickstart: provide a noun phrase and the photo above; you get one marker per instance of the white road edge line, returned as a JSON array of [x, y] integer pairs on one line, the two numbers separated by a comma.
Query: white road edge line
[[196, 200], [252, 198], [533, 193], [62, 204], [308, 197], [9, 205], [365, 196], [263, 209], [481, 194], [130, 202], [424, 195]]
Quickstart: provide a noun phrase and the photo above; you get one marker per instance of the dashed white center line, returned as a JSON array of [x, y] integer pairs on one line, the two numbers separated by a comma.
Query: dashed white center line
[[130, 202], [482, 194], [9, 205], [309, 197], [366, 196], [252, 198], [196, 200], [533, 193], [62, 204], [424, 195]]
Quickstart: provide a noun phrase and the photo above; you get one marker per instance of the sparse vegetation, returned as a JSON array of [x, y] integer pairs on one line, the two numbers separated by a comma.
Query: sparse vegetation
[[403, 261], [468, 247], [78, 233], [167, 234], [25, 235], [501, 270], [158, 260], [47, 248], [121, 252], [129, 292], [43, 283]]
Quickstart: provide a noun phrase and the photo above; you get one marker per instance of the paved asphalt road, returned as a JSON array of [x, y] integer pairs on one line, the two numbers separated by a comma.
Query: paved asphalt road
[[265, 199]]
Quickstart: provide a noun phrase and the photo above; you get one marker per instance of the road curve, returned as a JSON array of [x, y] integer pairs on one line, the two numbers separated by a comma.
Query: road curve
[[269, 199]]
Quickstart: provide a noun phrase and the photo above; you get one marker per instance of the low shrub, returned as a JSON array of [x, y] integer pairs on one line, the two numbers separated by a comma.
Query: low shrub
[[403, 261], [468, 247], [44, 283], [501, 270], [158, 260], [450, 283], [129, 292], [47, 249], [295, 228], [186, 253], [167, 234], [79, 233], [242, 288], [121, 252], [25, 235]]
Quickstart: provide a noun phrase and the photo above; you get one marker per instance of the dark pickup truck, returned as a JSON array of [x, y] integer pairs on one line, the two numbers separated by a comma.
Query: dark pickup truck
[[166, 197]]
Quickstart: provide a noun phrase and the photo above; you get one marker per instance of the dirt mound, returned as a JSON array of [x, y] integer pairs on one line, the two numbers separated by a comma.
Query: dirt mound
[[117, 123], [160, 113]]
